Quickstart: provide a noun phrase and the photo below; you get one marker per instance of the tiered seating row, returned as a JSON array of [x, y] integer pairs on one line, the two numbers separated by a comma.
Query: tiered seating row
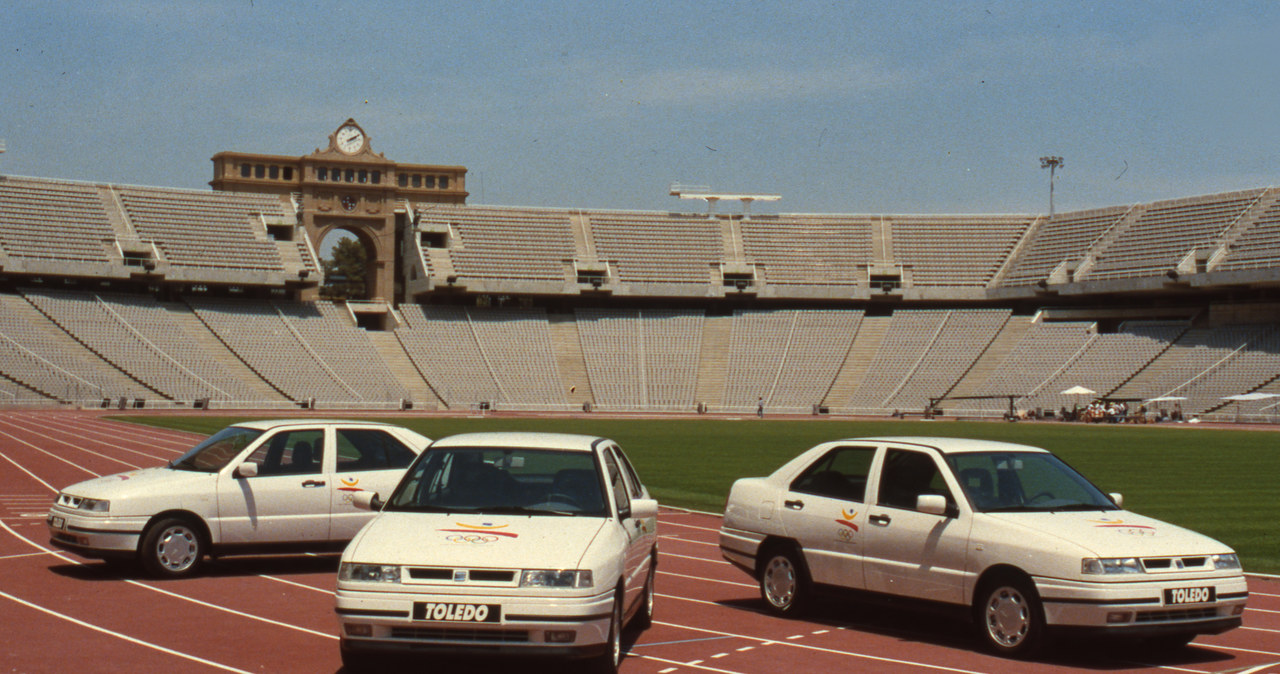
[[138, 336], [1062, 238], [1105, 363], [1165, 232], [51, 220], [786, 359], [525, 244], [1258, 247], [641, 359], [808, 250], [955, 250], [655, 248], [200, 229]]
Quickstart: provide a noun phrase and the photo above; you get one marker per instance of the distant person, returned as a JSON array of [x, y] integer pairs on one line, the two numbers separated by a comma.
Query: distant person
[[760, 407]]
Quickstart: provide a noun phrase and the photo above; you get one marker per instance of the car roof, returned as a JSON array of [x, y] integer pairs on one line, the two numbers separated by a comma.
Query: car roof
[[520, 439], [949, 445], [272, 424]]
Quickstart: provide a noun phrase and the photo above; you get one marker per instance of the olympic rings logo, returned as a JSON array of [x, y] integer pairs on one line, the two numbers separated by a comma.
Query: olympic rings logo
[[475, 539]]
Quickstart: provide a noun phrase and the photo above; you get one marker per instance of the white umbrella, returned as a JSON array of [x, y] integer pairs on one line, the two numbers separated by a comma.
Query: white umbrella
[[1162, 399], [1078, 391], [1244, 397]]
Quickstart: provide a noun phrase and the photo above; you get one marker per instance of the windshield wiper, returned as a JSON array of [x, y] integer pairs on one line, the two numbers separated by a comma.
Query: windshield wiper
[[1079, 507], [521, 510]]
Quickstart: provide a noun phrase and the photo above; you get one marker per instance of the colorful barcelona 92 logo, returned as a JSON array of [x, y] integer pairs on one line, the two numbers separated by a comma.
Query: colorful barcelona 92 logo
[[1120, 526], [848, 527], [352, 484]]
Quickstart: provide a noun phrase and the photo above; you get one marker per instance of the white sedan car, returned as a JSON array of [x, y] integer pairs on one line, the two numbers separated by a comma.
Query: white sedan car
[[256, 486], [1008, 533], [503, 543]]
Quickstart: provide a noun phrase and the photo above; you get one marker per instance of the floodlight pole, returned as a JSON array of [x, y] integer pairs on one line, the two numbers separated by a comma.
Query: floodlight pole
[[1051, 163]]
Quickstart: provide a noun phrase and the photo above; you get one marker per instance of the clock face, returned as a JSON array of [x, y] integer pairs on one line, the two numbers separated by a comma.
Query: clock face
[[349, 202], [349, 139]]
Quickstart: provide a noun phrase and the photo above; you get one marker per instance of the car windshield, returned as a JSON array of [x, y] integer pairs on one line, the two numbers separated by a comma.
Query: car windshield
[[1024, 482], [502, 481], [216, 451]]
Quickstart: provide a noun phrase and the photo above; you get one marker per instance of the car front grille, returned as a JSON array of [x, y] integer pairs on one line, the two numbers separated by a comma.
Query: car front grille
[[441, 634], [1176, 615], [462, 576]]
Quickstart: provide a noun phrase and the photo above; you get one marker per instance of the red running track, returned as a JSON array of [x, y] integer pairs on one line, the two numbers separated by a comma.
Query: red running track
[[59, 613]]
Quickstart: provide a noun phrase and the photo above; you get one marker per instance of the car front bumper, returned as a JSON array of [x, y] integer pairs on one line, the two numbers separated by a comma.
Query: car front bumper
[[94, 536], [401, 622], [1139, 608]]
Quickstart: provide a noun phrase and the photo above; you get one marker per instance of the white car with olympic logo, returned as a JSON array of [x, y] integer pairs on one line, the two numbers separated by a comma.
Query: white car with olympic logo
[[506, 544]]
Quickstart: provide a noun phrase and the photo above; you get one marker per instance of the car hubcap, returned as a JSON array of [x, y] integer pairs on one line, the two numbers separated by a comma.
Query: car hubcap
[[780, 582], [1008, 617], [177, 548]]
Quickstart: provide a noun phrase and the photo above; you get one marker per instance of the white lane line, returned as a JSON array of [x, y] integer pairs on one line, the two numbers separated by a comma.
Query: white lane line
[[1261, 629], [689, 526], [146, 644], [90, 451], [696, 559], [695, 664], [706, 580], [1259, 668], [820, 649], [1259, 610], [686, 540], [33, 475], [301, 585], [42, 451], [192, 600], [1242, 650]]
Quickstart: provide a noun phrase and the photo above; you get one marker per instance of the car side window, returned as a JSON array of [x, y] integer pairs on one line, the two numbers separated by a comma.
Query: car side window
[[633, 480], [297, 452], [621, 499], [840, 474], [906, 475], [370, 449]]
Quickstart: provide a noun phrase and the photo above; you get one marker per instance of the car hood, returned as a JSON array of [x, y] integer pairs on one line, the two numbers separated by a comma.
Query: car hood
[[489, 541], [138, 482], [1115, 533]]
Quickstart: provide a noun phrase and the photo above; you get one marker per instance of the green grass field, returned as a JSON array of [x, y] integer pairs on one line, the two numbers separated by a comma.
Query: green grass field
[[1219, 482]]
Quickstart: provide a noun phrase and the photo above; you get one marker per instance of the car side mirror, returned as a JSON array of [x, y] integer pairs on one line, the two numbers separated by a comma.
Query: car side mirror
[[367, 500], [247, 469], [1117, 498], [933, 504], [643, 508]]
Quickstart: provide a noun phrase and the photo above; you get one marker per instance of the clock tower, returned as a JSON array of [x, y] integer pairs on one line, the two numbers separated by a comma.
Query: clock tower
[[347, 186]]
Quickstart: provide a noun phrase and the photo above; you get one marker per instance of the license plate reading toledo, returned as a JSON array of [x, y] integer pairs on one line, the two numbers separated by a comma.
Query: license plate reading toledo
[[457, 613], [1188, 595]]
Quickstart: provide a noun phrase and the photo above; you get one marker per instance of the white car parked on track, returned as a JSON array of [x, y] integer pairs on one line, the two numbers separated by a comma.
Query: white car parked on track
[[506, 543], [256, 486], [1008, 532]]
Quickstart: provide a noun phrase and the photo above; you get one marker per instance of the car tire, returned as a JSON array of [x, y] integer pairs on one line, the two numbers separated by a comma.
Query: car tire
[[608, 661], [784, 582], [172, 548], [643, 619], [1009, 616]]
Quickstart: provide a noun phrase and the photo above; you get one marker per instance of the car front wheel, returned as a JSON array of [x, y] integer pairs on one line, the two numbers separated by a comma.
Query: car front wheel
[[607, 662], [172, 548], [1010, 616]]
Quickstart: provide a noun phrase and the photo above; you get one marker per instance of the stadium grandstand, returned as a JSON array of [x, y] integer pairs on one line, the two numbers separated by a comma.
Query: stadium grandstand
[[129, 296]]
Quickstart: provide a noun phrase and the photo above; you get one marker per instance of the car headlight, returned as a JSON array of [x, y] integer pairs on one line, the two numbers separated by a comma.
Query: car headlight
[[370, 573], [1225, 562], [1111, 565], [94, 505], [555, 578]]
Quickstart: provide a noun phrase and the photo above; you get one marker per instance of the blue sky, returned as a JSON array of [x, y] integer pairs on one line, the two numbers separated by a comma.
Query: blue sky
[[886, 107]]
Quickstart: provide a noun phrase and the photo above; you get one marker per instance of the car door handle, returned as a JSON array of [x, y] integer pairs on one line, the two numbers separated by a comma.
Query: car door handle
[[794, 505], [313, 483], [879, 520]]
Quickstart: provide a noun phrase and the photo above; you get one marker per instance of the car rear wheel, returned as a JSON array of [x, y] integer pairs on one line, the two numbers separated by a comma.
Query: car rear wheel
[[1010, 616], [783, 583], [172, 548]]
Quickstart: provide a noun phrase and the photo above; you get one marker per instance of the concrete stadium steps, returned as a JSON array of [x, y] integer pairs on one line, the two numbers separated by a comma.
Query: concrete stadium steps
[[871, 332], [567, 345], [389, 348], [713, 364], [996, 353]]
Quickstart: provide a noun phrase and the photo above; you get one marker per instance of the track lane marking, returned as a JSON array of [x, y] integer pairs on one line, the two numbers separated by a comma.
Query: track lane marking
[[706, 580], [696, 664], [820, 649], [85, 450], [710, 560], [118, 635], [42, 451], [23, 469], [193, 600]]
